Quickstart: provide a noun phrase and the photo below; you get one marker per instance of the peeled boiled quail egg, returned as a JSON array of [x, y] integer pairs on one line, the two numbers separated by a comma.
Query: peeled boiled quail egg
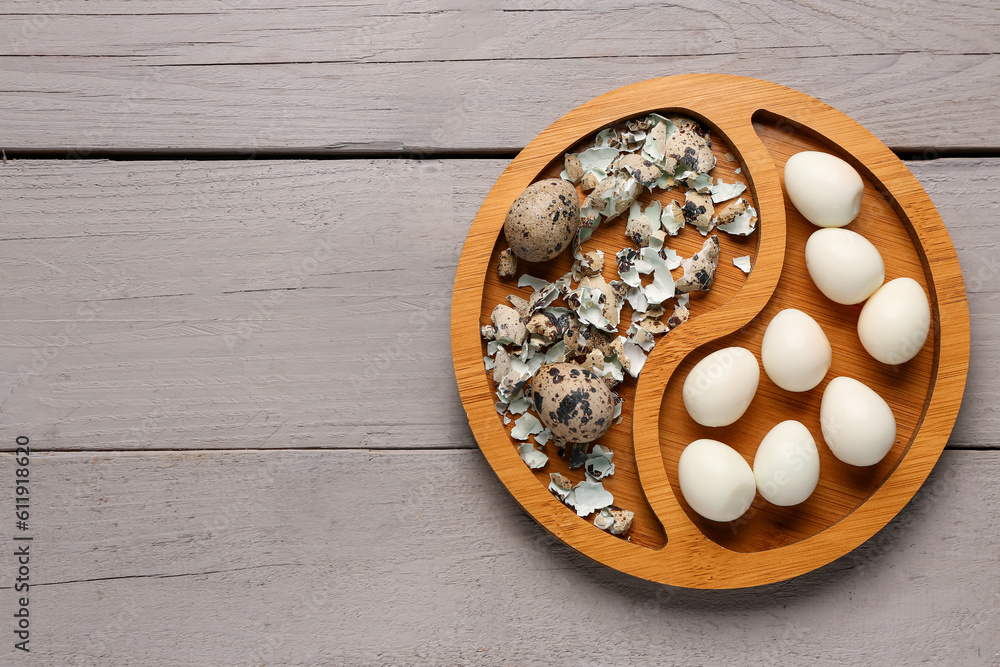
[[795, 352], [719, 389], [543, 219], [845, 266], [572, 402], [894, 323], [824, 189], [858, 425], [715, 480], [786, 465]]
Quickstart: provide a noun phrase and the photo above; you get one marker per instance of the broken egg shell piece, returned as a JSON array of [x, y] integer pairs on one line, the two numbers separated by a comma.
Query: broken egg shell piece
[[506, 263], [588, 264], [488, 332], [589, 181], [700, 268], [742, 263], [551, 324], [572, 168], [672, 219], [610, 305], [501, 365], [644, 171], [573, 402], [588, 497], [531, 456], [508, 324], [688, 148], [698, 211], [543, 219], [520, 304], [614, 520], [560, 485]]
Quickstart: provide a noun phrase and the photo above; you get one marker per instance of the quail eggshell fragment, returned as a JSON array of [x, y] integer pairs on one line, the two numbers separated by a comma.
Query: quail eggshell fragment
[[572, 402], [845, 266], [824, 189], [542, 221], [795, 352], [508, 324], [715, 480], [894, 323], [719, 389], [786, 465], [858, 425]]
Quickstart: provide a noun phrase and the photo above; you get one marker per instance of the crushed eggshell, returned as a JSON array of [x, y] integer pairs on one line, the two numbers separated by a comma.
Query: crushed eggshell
[[598, 464], [725, 191], [588, 264], [742, 263], [488, 332], [560, 485], [534, 458], [508, 324], [743, 223], [551, 324], [698, 211], [614, 520], [587, 497], [687, 148], [672, 219], [507, 264], [681, 312], [525, 425], [644, 171], [699, 269], [572, 168]]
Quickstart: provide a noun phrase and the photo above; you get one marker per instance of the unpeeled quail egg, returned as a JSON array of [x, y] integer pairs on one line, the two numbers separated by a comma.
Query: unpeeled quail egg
[[572, 402], [719, 389], [858, 425], [786, 465], [894, 323], [824, 189], [845, 266], [715, 480], [543, 220], [795, 352]]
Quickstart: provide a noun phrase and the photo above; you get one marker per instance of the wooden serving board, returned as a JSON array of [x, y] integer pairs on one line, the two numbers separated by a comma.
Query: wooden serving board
[[762, 124]]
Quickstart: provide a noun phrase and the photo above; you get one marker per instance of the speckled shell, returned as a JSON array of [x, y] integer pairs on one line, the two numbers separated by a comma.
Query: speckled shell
[[572, 402], [542, 221]]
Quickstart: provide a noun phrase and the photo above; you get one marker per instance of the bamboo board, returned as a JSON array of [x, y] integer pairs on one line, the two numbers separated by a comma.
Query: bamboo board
[[762, 124]]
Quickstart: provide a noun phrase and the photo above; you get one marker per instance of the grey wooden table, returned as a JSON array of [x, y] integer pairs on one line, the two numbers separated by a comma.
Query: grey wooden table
[[225, 331]]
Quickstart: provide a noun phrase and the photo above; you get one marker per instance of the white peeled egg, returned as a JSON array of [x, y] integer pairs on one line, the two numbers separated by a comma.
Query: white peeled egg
[[795, 352], [824, 189], [894, 324], [786, 465], [845, 266], [715, 480], [720, 387], [858, 425]]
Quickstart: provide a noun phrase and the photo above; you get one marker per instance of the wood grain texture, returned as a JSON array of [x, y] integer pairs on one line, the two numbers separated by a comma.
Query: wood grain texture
[[123, 292], [250, 74], [763, 125], [346, 558]]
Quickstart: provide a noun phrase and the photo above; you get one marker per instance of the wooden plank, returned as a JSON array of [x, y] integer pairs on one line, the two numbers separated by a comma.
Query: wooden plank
[[250, 75], [346, 558], [210, 305]]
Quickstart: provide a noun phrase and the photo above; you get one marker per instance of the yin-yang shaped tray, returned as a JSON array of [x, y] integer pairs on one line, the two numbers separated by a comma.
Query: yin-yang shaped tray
[[761, 125]]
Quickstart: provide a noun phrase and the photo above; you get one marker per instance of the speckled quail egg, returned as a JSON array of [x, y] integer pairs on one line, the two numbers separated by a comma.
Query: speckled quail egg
[[572, 402], [543, 219]]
